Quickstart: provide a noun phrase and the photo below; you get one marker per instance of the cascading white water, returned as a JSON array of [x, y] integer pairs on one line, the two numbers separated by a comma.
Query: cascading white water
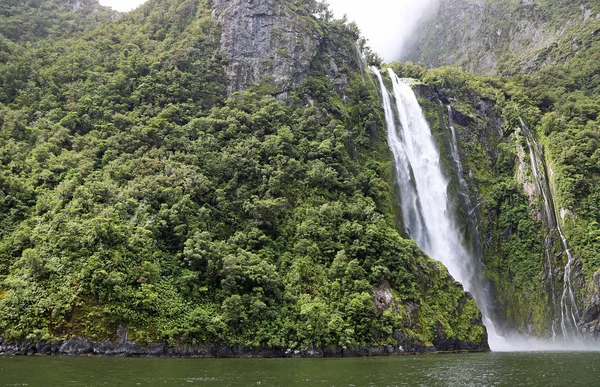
[[549, 239], [423, 194], [568, 305], [428, 219]]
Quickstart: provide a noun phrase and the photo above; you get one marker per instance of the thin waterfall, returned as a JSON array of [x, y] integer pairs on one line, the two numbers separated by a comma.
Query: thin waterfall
[[456, 156], [568, 306], [423, 195], [464, 188]]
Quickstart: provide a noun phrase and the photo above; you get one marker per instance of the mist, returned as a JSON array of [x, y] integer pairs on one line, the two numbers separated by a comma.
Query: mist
[[122, 5], [387, 24]]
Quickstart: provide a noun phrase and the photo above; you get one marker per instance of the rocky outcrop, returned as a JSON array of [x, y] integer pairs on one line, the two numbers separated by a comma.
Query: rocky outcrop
[[266, 38], [80, 346], [383, 297], [590, 323], [491, 36]]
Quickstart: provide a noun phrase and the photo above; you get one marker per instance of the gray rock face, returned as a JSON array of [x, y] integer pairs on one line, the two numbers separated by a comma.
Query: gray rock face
[[481, 36], [80, 346], [590, 323], [383, 297], [266, 38]]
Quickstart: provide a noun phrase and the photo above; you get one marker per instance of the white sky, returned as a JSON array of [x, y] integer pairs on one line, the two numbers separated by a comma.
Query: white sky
[[122, 5], [385, 23]]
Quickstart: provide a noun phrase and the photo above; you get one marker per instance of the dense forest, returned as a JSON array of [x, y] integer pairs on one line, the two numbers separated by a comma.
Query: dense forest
[[141, 193], [137, 195]]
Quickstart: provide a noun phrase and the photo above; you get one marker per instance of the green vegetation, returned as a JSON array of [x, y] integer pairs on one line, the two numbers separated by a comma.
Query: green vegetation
[[509, 234], [561, 104], [134, 193], [505, 36], [23, 21]]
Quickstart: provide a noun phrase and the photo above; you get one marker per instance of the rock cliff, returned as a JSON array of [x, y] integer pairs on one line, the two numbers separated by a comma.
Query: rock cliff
[[490, 36], [266, 38], [591, 316]]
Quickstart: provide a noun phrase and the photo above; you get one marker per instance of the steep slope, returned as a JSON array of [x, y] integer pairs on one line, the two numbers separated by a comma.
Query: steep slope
[[277, 39], [502, 223], [538, 223], [30, 20], [503, 36], [141, 206]]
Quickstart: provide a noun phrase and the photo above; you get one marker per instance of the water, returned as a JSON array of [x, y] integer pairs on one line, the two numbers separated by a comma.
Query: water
[[456, 156], [465, 196], [569, 313], [478, 369], [428, 217], [424, 196]]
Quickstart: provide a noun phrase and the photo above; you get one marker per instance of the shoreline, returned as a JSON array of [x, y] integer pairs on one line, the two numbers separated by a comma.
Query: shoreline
[[86, 347]]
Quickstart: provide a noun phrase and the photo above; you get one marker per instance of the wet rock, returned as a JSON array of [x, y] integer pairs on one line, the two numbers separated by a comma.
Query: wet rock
[[76, 346], [332, 352], [16, 348], [590, 322], [79, 346], [460, 118], [47, 348]]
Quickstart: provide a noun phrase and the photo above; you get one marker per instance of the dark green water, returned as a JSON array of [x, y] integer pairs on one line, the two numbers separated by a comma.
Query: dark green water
[[486, 369]]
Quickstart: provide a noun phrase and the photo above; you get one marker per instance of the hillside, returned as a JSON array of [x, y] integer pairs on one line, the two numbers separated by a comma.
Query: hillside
[[30, 20], [488, 37], [167, 191], [548, 54]]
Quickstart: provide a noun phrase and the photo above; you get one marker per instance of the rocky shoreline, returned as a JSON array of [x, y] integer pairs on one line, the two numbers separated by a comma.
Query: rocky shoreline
[[85, 347]]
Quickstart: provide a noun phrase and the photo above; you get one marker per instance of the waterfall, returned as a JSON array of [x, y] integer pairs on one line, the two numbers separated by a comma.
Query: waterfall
[[464, 188], [423, 195], [567, 304], [455, 155], [428, 218]]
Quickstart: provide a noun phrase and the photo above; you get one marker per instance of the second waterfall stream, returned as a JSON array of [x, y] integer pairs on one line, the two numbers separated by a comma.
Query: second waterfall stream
[[424, 198]]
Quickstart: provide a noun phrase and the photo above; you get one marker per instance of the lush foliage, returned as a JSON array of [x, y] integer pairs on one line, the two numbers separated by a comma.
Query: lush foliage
[[29, 20], [561, 103], [133, 193]]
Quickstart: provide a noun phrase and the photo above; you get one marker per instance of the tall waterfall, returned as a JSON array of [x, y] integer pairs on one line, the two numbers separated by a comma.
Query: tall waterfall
[[424, 198], [567, 304]]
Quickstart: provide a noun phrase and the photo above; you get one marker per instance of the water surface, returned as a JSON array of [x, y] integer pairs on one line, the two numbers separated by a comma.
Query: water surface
[[478, 369]]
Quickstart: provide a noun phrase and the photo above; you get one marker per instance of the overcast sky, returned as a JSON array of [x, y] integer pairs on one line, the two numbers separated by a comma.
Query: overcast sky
[[386, 23], [122, 5]]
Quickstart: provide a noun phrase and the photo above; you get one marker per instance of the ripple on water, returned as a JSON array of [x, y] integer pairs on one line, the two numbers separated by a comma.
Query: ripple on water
[[480, 369]]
